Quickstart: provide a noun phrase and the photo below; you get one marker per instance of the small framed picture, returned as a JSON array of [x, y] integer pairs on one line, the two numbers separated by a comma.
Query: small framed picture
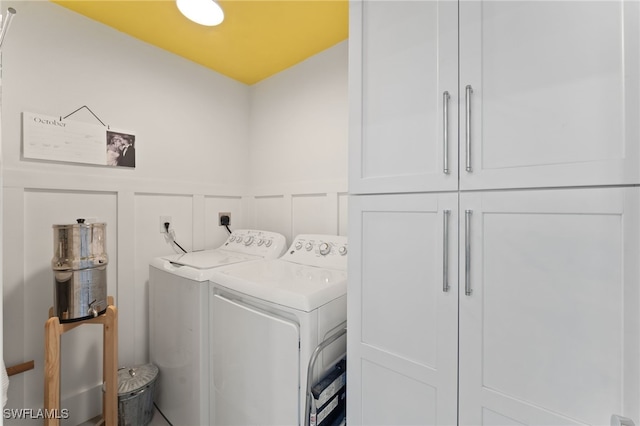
[[121, 149]]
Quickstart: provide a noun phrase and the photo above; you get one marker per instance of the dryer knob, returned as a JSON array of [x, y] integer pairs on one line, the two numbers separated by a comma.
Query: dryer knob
[[298, 245], [309, 246], [238, 239], [343, 250], [325, 249], [248, 241], [232, 238], [268, 243], [260, 242]]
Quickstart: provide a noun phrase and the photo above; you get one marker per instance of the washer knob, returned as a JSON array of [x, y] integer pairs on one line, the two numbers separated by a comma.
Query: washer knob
[[325, 249], [239, 240], [232, 238], [268, 243], [260, 242], [298, 245], [248, 241], [342, 250], [309, 246]]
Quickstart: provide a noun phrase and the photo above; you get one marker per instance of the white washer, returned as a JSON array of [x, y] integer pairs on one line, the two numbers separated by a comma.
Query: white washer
[[179, 320], [267, 318]]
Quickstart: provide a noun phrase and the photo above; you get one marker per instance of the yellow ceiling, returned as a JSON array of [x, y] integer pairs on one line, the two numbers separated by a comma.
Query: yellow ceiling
[[257, 39]]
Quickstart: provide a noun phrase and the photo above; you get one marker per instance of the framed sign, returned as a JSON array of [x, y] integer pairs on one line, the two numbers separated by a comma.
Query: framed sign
[[56, 139]]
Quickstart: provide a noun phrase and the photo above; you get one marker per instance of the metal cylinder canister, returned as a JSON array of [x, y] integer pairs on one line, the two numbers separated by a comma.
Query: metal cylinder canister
[[80, 270], [136, 389]]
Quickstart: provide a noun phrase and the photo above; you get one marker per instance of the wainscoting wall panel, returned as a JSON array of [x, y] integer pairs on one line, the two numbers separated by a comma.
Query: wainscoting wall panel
[[81, 348], [343, 209], [133, 239], [272, 212], [314, 213], [214, 234], [149, 243]]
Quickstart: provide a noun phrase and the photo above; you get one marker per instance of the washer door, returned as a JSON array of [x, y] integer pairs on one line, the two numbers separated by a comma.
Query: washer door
[[255, 364]]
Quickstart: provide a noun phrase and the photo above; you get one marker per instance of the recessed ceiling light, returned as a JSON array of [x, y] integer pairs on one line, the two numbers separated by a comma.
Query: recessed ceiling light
[[203, 12]]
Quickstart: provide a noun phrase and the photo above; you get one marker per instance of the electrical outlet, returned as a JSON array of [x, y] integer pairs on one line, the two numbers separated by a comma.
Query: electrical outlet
[[227, 214], [163, 220]]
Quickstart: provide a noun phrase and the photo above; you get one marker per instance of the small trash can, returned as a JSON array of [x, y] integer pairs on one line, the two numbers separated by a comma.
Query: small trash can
[[136, 386]]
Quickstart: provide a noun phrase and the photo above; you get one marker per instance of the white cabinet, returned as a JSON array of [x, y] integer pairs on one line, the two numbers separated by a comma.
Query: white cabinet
[[550, 334], [548, 94], [541, 321], [403, 320], [546, 293], [555, 93], [403, 58]]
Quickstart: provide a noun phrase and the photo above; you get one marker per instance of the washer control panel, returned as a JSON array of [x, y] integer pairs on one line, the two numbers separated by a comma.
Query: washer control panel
[[325, 251], [269, 245]]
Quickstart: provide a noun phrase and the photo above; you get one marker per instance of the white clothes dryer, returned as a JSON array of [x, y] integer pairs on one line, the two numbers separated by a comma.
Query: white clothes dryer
[[267, 318], [179, 320]]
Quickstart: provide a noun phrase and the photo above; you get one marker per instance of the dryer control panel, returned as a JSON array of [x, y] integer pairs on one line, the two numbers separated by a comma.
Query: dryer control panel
[[269, 245], [323, 251]]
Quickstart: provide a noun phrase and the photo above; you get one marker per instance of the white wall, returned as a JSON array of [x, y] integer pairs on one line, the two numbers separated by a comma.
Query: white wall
[[273, 154], [298, 156], [192, 143]]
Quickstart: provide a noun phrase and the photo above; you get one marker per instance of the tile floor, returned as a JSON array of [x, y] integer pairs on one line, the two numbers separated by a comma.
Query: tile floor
[[157, 420]]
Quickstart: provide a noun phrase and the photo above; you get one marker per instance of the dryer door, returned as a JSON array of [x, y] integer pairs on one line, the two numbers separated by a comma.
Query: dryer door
[[255, 364]]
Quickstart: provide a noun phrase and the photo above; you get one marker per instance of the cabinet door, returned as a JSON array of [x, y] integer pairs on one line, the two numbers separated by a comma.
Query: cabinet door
[[403, 320], [549, 334], [402, 60], [555, 93]]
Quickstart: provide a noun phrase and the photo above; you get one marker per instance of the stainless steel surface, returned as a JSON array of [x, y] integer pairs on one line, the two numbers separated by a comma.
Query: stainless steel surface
[[311, 366], [80, 294], [79, 266], [468, 92], [467, 252], [445, 132], [621, 421], [132, 380], [79, 246], [6, 23], [136, 389], [445, 249]]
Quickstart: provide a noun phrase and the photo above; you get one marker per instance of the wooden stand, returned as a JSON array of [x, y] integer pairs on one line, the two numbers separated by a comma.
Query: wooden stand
[[53, 330]]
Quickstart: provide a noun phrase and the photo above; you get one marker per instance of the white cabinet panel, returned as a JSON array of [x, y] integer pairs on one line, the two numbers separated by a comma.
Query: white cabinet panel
[[395, 399], [553, 101], [400, 317], [403, 57], [548, 96], [390, 275], [555, 93], [546, 330]]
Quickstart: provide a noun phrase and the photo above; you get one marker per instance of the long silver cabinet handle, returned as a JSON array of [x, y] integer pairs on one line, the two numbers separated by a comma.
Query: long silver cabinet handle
[[621, 421], [445, 132], [445, 249], [468, 92], [467, 252]]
